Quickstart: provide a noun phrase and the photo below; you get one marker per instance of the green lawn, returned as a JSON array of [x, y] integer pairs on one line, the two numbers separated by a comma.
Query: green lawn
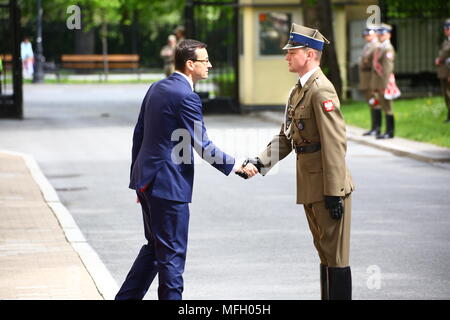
[[420, 119]]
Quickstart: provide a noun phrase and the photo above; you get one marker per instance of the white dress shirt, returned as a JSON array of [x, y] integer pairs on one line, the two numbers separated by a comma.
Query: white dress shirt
[[307, 75]]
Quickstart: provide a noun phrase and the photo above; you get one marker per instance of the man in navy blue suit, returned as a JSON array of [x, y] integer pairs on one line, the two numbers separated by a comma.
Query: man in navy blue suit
[[169, 126]]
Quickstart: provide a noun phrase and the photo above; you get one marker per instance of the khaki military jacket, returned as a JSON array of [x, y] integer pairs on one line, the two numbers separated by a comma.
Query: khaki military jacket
[[443, 71], [365, 65], [386, 57], [314, 117]]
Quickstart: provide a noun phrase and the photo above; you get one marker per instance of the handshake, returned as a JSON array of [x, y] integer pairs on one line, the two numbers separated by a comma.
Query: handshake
[[249, 168]]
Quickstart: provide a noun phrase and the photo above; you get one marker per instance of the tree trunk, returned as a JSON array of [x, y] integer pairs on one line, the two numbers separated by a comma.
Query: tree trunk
[[104, 36], [317, 14], [134, 32], [84, 41]]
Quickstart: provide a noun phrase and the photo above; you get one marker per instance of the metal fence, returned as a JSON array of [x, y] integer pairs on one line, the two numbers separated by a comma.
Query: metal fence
[[11, 69], [215, 23], [417, 36]]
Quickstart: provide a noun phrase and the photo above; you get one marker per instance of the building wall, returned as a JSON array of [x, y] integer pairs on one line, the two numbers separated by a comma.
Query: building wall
[[264, 80]]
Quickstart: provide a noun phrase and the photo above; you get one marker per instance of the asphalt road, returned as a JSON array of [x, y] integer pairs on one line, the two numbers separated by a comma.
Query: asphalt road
[[248, 239]]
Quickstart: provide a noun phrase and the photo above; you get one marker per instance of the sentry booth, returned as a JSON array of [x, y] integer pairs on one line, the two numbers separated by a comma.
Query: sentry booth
[[264, 79]]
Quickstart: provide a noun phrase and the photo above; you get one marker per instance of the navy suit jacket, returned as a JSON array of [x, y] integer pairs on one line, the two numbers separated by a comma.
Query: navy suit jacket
[[170, 104]]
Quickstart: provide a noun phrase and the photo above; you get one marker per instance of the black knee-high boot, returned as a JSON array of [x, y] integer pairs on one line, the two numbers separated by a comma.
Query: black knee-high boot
[[376, 123], [389, 128], [323, 282], [339, 283]]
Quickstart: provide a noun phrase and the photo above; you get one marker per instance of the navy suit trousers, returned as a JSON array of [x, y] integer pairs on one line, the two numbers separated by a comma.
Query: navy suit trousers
[[166, 230]]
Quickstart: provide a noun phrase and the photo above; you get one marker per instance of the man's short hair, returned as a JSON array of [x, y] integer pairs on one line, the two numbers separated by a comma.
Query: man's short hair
[[185, 51], [317, 53]]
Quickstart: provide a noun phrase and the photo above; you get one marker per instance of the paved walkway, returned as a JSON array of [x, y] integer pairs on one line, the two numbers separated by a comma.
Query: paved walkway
[[36, 259]]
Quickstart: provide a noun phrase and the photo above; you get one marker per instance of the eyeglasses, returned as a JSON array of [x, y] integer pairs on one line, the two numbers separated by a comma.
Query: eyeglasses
[[205, 60]]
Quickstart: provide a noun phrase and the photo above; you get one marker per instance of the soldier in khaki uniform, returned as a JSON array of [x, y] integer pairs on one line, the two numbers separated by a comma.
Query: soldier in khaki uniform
[[168, 55], [383, 67], [314, 128], [443, 71], [365, 79]]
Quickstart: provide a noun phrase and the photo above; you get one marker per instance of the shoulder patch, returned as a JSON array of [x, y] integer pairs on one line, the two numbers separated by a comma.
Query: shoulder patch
[[328, 105], [390, 55]]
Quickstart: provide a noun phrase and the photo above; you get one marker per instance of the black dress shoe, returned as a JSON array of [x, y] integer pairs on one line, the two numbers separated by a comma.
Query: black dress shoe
[[371, 133], [387, 135]]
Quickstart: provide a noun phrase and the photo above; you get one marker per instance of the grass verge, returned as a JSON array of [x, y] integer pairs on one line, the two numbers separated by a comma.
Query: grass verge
[[420, 119]]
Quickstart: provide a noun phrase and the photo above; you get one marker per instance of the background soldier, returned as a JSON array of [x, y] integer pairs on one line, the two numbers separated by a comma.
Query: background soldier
[[365, 75], [315, 129], [180, 33], [168, 55], [443, 71], [383, 70]]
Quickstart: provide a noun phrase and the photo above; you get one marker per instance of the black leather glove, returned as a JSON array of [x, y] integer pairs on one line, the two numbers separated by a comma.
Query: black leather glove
[[242, 174], [255, 161], [335, 205]]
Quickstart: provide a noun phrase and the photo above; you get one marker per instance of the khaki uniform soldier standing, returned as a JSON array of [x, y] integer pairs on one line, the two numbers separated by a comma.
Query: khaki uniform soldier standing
[[383, 68], [443, 70], [314, 128], [168, 55], [365, 79]]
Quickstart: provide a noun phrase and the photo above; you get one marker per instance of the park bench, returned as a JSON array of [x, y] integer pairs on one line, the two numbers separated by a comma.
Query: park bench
[[88, 62], [6, 59]]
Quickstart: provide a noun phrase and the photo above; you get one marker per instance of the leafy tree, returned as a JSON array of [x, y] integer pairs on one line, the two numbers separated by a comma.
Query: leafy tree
[[115, 20], [416, 8], [318, 14]]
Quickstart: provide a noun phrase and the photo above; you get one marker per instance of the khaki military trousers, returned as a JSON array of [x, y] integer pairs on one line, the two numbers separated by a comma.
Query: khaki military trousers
[[367, 95], [445, 87], [385, 104], [331, 237]]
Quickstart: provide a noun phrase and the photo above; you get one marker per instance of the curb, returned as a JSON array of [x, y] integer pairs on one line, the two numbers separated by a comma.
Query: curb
[[399, 146], [103, 280], [402, 147]]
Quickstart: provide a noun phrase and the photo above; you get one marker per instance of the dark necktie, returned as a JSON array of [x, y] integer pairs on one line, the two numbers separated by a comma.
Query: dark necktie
[[298, 87]]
